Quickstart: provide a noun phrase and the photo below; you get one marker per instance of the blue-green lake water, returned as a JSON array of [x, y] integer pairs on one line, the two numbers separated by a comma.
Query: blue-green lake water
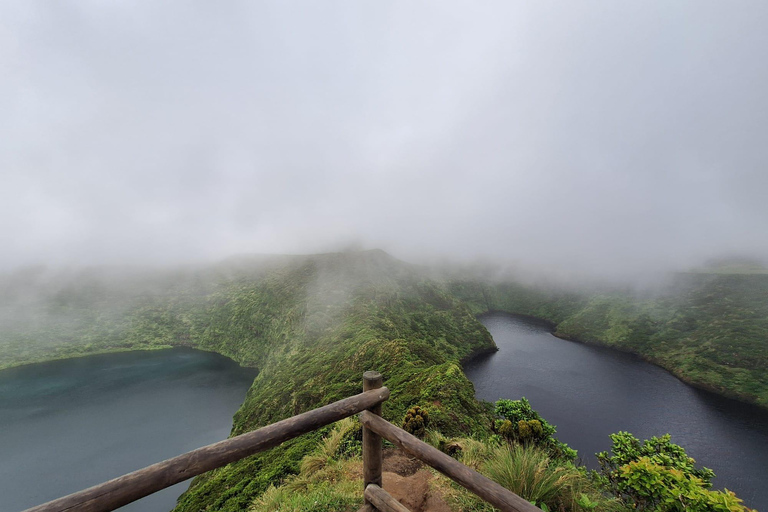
[[67, 425]]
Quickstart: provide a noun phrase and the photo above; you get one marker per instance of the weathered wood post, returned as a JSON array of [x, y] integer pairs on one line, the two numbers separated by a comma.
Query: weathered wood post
[[372, 440]]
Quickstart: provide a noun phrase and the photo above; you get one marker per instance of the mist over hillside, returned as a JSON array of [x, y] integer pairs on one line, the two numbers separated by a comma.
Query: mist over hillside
[[708, 326], [575, 139]]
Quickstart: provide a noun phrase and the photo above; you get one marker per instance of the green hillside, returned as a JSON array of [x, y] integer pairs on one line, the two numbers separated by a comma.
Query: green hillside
[[312, 325], [709, 329], [312, 329]]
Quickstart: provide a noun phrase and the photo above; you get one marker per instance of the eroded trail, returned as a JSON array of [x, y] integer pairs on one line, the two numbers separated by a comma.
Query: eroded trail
[[409, 481]]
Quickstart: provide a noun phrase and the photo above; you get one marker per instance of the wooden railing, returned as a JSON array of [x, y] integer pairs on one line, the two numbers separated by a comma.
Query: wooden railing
[[133, 486]]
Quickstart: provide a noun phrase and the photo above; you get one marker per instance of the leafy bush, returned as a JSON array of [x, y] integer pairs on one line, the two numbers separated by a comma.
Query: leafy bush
[[521, 424], [658, 475], [530, 431]]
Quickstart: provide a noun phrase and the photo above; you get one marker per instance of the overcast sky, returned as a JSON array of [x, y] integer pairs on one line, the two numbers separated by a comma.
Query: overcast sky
[[602, 135]]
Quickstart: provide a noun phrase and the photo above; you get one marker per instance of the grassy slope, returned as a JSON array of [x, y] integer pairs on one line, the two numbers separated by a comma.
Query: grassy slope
[[708, 329], [353, 314]]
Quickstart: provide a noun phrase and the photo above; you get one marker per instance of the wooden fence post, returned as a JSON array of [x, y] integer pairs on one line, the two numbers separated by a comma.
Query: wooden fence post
[[372, 440]]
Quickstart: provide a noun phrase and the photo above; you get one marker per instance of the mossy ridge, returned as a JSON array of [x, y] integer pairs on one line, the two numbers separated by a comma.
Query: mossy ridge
[[409, 329], [311, 325]]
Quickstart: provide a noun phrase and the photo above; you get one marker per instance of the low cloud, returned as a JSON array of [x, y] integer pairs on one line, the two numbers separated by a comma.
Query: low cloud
[[600, 137]]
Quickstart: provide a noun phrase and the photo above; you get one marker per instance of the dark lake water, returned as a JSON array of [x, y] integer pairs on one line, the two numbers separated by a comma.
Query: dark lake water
[[67, 425], [590, 392]]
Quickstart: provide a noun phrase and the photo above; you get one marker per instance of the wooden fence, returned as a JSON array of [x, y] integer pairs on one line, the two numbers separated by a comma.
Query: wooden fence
[[133, 486]]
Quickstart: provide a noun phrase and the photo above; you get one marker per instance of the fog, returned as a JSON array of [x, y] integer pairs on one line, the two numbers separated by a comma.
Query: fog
[[601, 136]]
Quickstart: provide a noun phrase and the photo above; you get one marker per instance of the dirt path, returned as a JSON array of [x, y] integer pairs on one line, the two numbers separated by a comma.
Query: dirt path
[[407, 480]]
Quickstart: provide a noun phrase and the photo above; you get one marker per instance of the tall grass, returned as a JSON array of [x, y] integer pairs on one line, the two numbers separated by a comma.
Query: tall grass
[[344, 496], [327, 479], [528, 472], [328, 449], [470, 452]]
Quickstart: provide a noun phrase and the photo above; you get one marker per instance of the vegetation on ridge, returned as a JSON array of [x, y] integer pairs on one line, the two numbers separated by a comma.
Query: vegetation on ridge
[[410, 330], [312, 324], [655, 475]]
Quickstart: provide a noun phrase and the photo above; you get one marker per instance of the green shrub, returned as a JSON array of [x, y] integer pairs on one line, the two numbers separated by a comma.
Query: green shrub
[[657, 475], [530, 431], [416, 421], [627, 448], [652, 486], [527, 470], [506, 429], [519, 423]]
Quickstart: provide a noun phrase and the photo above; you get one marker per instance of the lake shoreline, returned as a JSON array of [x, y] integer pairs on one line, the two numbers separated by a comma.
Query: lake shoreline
[[95, 352], [120, 350], [660, 363], [71, 423], [668, 367]]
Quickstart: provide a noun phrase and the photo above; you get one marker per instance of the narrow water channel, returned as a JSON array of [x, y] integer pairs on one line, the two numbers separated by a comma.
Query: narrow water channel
[[67, 425], [590, 392]]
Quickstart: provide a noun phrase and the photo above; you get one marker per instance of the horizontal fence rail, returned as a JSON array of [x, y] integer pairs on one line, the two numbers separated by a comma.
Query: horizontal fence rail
[[382, 500], [133, 486], [487, 489]]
